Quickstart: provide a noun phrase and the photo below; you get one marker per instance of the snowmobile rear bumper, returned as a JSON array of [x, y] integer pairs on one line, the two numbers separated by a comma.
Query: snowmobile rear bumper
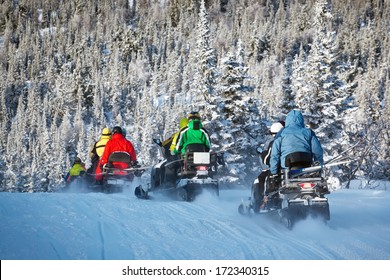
[[195, 186], [303, 208], [198, 181]]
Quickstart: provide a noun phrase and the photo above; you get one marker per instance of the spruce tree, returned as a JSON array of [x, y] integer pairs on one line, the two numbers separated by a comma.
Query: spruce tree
[[204, 58]]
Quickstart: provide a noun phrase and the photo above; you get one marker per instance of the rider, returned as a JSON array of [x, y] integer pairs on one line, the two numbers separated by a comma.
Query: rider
[[166, 170], [170, 143], [78, 169], [182, 124], [98, 149], [193, 133], [258, 187], [117, 143], [294, 138]]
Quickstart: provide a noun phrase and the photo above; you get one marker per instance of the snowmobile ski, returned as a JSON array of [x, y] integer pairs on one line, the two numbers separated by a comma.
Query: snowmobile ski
[[140, 193]]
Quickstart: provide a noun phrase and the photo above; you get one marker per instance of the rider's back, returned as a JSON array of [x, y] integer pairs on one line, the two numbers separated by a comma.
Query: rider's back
[[294, 138]]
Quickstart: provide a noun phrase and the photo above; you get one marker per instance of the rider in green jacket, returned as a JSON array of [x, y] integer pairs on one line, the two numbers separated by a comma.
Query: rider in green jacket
[[193, 133]]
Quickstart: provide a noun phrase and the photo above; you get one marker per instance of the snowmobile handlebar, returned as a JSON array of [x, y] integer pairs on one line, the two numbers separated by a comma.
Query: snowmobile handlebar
[[340, 156], [317, 168]]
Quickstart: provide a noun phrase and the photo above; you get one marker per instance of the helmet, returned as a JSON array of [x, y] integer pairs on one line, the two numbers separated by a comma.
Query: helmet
[[124, 131], [117, 129], [276, 127], [77, 160], [193, 116], [183, 122], [106, 131]]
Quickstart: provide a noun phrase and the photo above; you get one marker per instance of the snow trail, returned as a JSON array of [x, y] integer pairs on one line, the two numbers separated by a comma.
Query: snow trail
[[98, 226]]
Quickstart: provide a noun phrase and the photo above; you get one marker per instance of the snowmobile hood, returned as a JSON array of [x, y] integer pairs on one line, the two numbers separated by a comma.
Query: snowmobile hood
[[295, 117]]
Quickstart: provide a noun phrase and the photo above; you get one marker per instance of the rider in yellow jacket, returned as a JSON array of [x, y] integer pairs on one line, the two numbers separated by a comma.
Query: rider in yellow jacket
[[77, 170], [98, 149], [170, 143], [161, 174], [183, 124]]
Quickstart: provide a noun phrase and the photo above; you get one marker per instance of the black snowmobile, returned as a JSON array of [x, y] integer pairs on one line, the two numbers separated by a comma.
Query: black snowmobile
[[184, 177], [115, 177], [297, 193]]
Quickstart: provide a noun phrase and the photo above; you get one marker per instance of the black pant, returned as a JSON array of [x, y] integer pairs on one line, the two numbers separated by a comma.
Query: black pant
[[165, 174], [259, 186]]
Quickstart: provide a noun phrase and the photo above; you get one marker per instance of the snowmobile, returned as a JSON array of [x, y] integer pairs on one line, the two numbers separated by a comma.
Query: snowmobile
[[299, 191], [184, 177], [295, 194], [118, 173]]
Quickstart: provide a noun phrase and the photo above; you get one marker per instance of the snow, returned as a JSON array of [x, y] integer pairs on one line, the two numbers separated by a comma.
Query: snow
[[98, 226], [77, 230]]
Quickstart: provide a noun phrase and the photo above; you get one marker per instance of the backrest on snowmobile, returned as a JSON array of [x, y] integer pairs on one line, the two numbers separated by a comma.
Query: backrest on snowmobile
[[119, 157], [194, 159], [198, 154], [201, 158], [298, 160], [196, 148]]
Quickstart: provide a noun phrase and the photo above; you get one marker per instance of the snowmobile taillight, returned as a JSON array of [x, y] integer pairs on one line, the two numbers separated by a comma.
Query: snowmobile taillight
[[307, 185], [201, 168]]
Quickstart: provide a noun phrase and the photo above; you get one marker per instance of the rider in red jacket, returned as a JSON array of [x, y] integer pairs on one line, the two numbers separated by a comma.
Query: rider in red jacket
[[117, 143]]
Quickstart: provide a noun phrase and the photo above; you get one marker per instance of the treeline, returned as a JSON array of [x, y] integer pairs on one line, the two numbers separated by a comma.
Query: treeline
[[69, 68]]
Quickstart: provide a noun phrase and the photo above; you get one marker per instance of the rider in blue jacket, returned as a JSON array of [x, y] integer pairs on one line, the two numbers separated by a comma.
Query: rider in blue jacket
[[294, 138]]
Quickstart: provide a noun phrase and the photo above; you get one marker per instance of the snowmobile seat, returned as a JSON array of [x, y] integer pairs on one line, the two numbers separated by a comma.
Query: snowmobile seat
[[298, 160], [196, 148], [120, 157]]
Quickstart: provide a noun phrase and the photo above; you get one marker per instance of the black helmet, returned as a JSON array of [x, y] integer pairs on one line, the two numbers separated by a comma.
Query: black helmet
[[117, 129], [77, 160], [193, 116]]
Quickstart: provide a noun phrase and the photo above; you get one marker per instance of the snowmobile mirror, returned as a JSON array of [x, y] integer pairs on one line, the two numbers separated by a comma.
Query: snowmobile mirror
[[157, 141], [220, 158]]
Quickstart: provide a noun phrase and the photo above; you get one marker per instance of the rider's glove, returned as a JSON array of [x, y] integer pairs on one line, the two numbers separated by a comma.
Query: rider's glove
[[273, 182], [220, 158], [138, 173], [273, 178]]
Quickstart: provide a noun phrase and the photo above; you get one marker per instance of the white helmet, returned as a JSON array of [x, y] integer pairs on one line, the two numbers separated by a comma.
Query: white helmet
[[276, 127]]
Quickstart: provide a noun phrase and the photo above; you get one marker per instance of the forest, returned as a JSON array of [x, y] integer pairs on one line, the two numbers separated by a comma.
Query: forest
[[70, 68]]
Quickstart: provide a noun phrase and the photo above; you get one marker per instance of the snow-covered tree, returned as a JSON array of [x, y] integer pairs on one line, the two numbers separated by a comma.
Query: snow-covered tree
[[320, 92], [144, 64], [234, 99], [203, 90]]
